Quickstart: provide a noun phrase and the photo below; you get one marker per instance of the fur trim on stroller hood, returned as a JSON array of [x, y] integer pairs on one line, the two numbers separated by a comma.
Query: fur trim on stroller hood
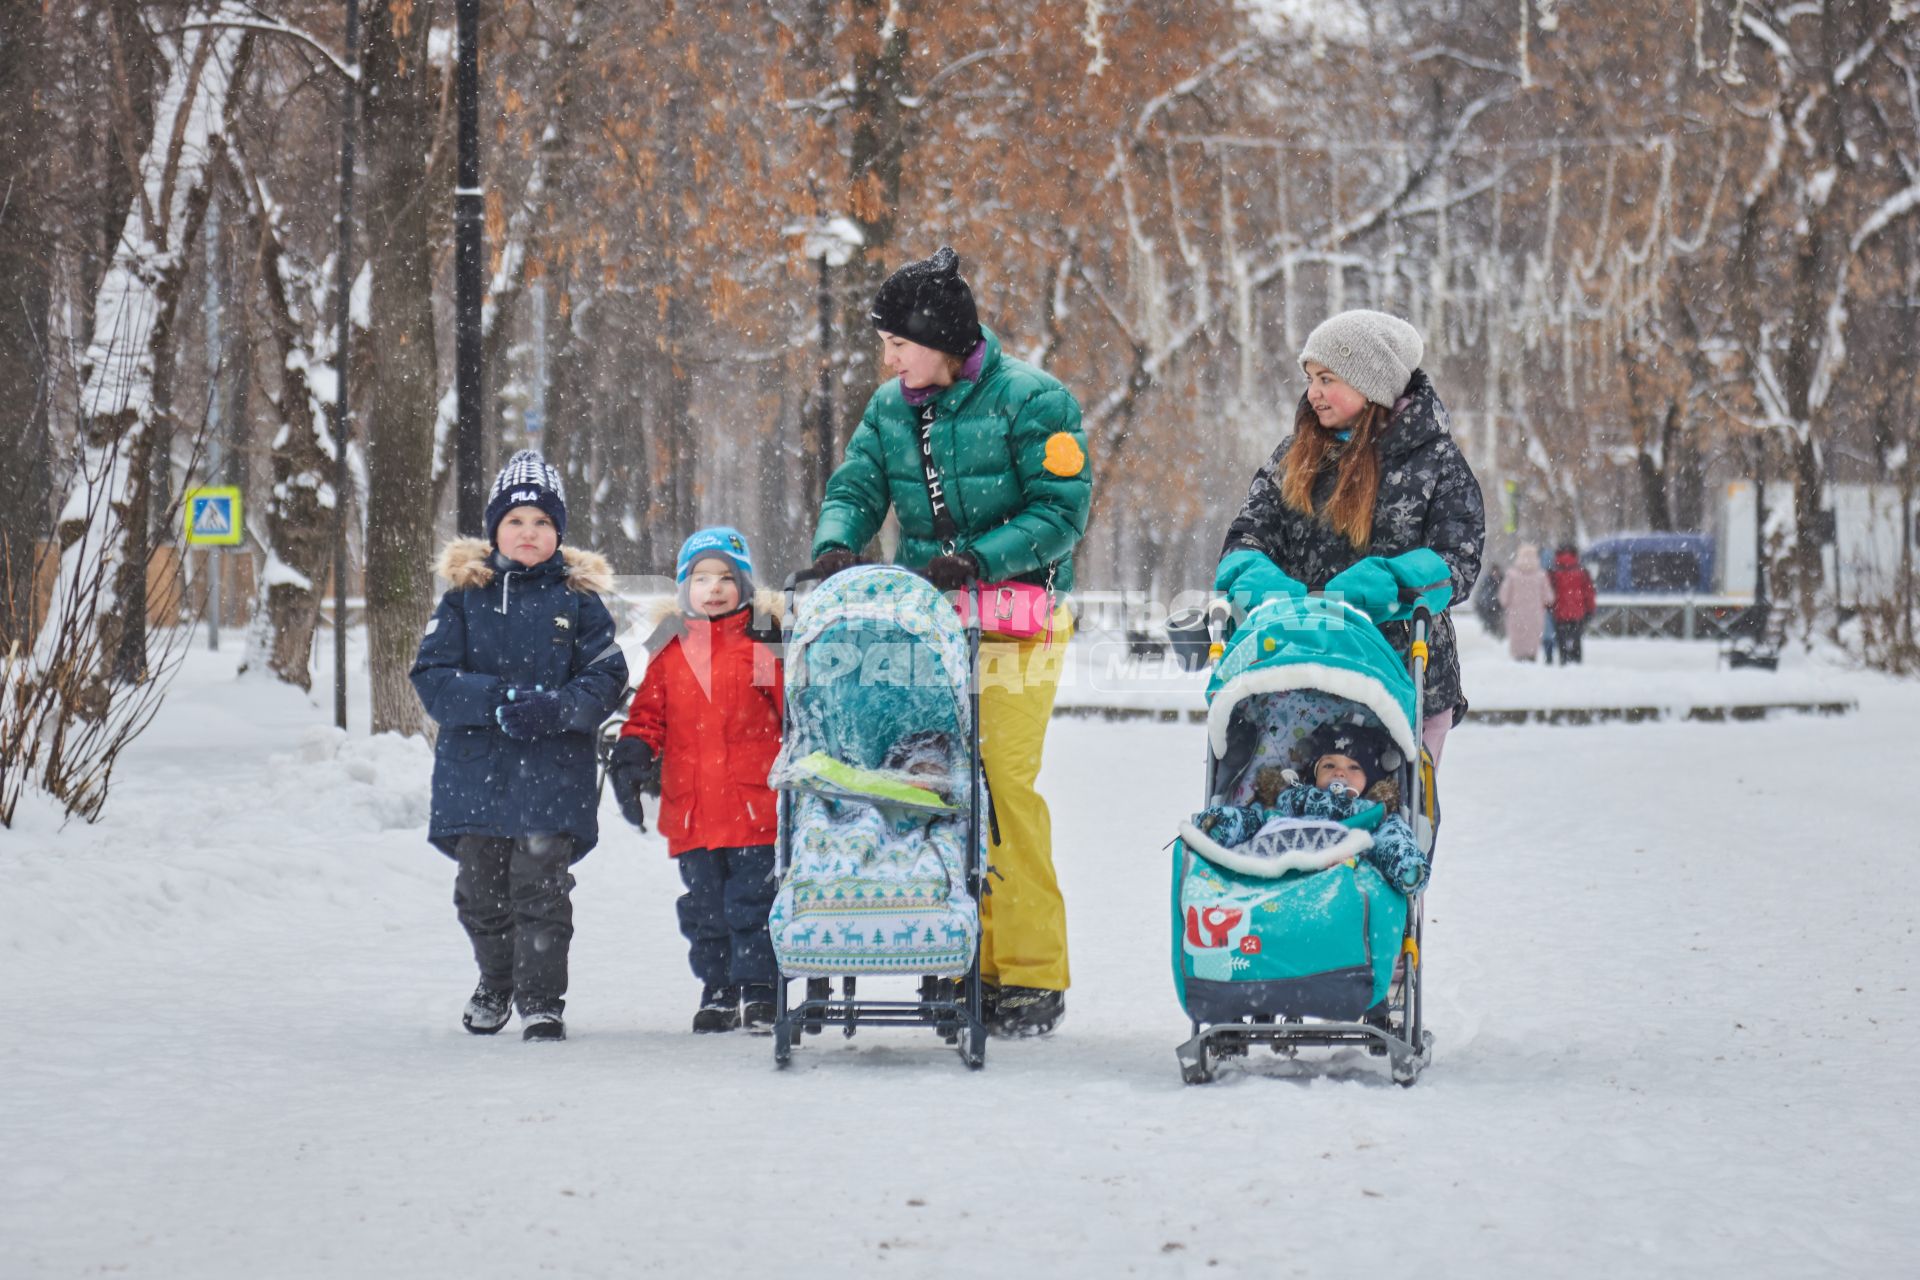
[[465, 563]]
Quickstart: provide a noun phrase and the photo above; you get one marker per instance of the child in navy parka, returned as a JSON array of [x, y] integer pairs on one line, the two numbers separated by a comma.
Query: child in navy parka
[[519, 667]]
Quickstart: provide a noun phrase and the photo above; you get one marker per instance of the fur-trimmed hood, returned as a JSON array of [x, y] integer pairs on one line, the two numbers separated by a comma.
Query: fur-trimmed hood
[[769, 604], [466, 563]]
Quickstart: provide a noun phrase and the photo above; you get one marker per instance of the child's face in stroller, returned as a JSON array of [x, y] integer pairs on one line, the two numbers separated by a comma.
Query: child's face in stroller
[[922, 756], [1334, 767], [711, 587]]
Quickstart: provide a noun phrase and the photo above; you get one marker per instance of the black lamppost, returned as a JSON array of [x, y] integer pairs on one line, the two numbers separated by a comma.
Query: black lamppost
[[468, 214], [342, 351]]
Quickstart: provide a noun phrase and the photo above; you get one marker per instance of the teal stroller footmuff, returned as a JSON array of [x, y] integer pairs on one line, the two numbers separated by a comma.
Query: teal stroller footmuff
[[1285, 930], [1296, 943]]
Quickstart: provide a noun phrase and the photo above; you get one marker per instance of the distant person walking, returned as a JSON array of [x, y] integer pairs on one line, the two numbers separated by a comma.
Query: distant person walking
[[1486, 601], [1525, 597], [1573, 601]]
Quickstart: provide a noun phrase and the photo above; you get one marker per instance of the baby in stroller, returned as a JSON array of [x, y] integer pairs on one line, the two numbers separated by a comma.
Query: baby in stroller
[[1352, 767], [923, 758]]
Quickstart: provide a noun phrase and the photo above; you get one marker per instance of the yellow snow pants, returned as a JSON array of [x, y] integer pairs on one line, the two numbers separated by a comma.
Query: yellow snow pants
[[1023, 918]]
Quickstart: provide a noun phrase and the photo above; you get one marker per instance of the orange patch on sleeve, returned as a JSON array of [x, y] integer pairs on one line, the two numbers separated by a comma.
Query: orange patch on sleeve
[[1064, 455]]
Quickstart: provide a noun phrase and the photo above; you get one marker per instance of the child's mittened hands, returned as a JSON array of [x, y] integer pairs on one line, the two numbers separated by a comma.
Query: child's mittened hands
[[632, 808], [635, 762], [532, 715], [633, 770]]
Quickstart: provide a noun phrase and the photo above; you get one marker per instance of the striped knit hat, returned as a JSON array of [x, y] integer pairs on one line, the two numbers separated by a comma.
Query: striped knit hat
[[527, 481]]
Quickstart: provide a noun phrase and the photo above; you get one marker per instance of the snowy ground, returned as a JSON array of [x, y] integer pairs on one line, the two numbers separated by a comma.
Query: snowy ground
[[1668, 977]]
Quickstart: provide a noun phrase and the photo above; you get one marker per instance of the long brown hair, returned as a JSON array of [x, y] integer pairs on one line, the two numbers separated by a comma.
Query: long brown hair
[[1350, 510]]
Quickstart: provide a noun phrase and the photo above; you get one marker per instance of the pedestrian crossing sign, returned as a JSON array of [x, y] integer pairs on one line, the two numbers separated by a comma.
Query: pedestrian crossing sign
[[213, 517]]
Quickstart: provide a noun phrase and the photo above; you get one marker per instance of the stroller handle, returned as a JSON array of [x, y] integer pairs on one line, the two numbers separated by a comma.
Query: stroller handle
[[799, 577], [1219, 618]]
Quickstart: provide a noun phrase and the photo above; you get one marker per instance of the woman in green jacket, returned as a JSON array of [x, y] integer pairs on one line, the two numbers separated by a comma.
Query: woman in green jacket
[[982, 457]]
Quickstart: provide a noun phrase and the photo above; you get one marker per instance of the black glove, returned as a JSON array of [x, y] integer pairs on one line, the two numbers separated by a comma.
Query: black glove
[[532, 715], [633, 769], [832, 561], [951, 572]]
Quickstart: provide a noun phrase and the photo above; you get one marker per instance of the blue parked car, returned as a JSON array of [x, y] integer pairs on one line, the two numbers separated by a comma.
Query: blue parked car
[[1652, 564]]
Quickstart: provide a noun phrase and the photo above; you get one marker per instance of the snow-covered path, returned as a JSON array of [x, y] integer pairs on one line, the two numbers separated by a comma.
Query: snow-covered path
[[1668, 981]]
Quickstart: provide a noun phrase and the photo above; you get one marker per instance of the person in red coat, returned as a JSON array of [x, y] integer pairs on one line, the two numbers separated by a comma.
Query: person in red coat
[[702, 734], [1572, 601]]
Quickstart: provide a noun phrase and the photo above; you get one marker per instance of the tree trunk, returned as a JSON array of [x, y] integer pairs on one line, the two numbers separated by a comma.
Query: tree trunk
[[398, 124], [26, 282], [301, 502], [129, 363], [874, 168], [674, 433]]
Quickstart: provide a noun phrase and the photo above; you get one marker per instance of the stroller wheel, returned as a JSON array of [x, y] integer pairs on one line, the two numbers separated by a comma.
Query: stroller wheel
[[1406, 1068], [782, 1042], [1380, 1019], [818, 989], [975, 1053], [1196, 1066]]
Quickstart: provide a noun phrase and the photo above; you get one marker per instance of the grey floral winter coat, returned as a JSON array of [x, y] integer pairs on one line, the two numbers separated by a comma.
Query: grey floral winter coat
[[1428, 498]]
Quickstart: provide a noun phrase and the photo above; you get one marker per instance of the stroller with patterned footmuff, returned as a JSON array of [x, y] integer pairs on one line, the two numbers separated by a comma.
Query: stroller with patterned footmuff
[[1294, 937], [883, 811]]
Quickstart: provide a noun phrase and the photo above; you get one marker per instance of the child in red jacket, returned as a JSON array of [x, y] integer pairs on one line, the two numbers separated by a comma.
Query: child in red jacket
[[702, 734], [1573, 601]]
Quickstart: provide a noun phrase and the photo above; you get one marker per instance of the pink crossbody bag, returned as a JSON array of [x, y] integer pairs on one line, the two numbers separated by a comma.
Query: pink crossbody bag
[[1017, 610]]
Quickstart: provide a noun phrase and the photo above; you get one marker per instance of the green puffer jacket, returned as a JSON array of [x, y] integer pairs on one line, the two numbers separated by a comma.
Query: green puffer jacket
[[1013, 458]]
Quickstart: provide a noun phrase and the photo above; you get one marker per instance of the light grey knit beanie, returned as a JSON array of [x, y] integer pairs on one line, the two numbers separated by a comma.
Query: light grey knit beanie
[[1371, 351]]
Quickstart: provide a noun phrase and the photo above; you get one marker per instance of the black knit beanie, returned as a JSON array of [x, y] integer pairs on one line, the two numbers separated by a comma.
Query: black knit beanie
[[927, 302], [526, 481], [1366, 746]]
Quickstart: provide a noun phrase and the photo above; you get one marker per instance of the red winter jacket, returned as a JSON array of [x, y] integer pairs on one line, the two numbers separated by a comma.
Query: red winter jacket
[[716, 737], [1572, 589]]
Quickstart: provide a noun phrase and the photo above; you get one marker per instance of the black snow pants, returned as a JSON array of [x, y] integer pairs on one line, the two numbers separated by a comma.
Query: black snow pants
[[513, 897]]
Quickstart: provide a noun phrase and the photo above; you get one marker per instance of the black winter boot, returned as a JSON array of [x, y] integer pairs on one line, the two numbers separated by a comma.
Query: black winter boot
[[542, 1022], [756, 1013], [488, 1009], [1028, 1011], [719, 1010]]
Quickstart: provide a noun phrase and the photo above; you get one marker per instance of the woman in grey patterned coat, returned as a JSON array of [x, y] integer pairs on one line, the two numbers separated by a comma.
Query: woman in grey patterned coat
[[1370, 473]]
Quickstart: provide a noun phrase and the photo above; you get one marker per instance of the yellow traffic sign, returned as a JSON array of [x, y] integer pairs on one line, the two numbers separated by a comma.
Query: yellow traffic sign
[[213, 517]]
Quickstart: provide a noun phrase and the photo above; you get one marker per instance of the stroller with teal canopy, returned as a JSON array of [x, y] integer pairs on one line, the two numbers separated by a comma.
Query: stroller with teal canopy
[[883, 825], [1294, 939]]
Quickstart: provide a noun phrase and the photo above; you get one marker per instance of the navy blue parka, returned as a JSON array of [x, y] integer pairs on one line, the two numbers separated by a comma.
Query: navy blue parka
[[503, 625]]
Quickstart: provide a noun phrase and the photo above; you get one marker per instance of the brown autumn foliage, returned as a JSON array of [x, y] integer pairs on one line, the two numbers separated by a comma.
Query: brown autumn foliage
[[1654, 248]]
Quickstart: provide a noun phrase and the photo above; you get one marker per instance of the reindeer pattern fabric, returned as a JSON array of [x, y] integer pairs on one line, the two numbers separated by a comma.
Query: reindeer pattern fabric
[[874, 890]]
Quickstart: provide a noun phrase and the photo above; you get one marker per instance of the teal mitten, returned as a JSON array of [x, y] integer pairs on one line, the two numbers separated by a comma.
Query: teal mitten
[[1424, 571], [1248, 578], [1369, 586]]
